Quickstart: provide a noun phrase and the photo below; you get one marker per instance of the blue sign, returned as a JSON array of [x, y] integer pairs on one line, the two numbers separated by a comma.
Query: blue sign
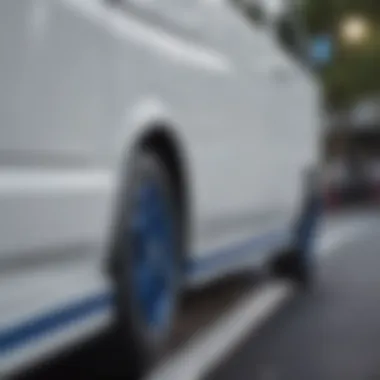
[[321, 49]]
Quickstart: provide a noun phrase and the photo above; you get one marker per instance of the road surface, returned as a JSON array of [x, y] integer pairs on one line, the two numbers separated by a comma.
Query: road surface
[[331, 334]]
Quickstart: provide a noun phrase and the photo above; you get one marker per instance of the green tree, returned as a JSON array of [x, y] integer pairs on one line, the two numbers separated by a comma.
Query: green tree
[[355, 69]]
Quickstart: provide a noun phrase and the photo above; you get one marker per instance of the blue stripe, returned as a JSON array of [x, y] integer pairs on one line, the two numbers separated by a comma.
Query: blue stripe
[[223, 258], [42, 325]]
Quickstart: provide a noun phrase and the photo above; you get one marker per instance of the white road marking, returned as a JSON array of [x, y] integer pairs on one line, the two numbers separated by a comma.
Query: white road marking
[[206, 350], [332, 239]]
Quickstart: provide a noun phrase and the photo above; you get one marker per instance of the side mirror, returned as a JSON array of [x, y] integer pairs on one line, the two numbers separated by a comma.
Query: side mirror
[[321, 50]]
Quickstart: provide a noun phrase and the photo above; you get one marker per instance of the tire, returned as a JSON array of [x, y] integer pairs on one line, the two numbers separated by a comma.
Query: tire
[[297, 262], [146, 262]]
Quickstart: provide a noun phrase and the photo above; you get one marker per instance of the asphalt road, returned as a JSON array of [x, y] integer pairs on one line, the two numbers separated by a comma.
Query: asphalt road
[[333, 332]]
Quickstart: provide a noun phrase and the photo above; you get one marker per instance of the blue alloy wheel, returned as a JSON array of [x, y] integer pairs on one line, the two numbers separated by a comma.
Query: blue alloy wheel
[[153, 266]]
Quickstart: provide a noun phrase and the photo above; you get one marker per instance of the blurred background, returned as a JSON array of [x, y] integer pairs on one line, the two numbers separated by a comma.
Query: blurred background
[[342, 38], [345, 48]]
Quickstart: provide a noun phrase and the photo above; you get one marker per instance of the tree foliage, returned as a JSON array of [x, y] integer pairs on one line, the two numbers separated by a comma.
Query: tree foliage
[[355, 69]]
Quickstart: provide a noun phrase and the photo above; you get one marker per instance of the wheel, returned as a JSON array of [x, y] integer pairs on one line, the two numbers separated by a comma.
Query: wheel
[[297, 261], [146, 261]]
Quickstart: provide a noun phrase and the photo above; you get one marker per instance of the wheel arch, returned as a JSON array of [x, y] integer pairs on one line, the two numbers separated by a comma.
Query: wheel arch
[[163, 141], [161, 137]]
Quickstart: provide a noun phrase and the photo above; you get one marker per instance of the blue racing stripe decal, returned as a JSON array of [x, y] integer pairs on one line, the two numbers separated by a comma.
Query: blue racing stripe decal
[[228, 256], [40, 326]]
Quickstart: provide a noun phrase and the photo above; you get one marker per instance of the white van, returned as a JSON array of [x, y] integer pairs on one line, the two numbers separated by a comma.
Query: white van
[[145, 147]]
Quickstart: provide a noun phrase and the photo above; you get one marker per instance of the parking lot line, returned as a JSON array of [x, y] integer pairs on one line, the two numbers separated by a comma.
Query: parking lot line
[[205, 350]]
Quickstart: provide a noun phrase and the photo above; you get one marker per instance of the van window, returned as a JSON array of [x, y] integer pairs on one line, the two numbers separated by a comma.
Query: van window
[[291, 35]]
